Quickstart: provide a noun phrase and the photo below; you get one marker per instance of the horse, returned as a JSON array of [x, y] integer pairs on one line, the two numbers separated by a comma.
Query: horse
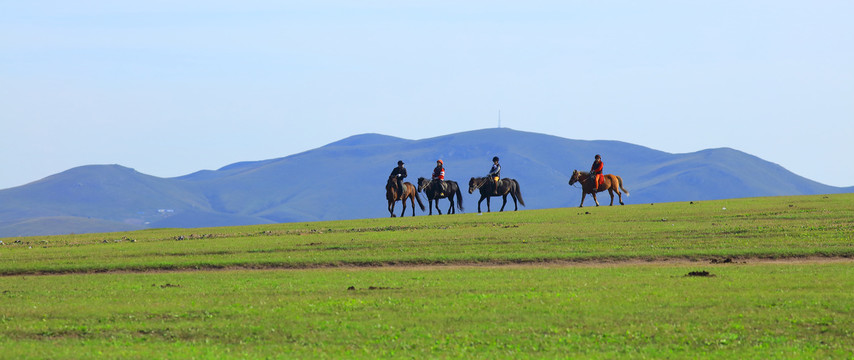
[[409, 192], [505, 187], [433, 193], [612, 183]]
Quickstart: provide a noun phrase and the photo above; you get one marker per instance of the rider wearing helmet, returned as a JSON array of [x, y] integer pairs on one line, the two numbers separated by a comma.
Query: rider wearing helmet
[[439, 177], [495, 174], [596, 171], [399, 173]]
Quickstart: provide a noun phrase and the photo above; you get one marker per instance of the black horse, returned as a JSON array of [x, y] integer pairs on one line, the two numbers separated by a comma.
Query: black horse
[[505, 187], [432, 192]]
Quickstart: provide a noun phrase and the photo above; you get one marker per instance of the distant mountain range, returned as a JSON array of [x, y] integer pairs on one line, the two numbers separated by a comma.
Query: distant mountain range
[[346, 180]]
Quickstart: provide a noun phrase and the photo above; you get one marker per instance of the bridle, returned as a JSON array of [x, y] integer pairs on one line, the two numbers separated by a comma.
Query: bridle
[[477, 183], [579, 180]]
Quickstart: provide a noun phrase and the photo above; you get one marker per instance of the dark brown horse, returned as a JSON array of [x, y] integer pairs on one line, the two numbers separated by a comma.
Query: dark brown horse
[[612, 183], [505, 187], [452, 188], [408, 193]]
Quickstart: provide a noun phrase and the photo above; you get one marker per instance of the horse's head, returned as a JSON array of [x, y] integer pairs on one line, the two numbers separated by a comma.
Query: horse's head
[[475, 183], [391, 184], [575, 177], [422, 184]]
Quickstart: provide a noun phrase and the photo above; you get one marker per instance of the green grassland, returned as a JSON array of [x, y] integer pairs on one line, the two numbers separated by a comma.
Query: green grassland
[[601, 282]]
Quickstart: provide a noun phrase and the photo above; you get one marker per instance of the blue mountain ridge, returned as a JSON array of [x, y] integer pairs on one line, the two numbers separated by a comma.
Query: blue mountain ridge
[[345, 180]]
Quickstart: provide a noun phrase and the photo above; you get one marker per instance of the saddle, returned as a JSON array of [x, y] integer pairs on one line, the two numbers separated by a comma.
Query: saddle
[[442, 188], [597, 180], [402, 194]]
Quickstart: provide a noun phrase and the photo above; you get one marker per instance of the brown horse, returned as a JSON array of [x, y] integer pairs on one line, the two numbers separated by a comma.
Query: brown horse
[[409, 192], [612, 183], [505, 187]]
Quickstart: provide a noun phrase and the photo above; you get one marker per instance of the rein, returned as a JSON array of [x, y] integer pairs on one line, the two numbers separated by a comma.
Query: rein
[[479, 182], [581, 178]]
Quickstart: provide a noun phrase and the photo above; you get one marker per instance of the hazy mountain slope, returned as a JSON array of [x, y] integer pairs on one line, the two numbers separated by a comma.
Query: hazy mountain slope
[[721, 173], [107, 192], [346, 179]]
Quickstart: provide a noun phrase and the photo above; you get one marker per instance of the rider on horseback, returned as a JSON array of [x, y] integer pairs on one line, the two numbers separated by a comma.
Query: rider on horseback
[[399, 173], [596, 171], [439, 177], [494, 174]]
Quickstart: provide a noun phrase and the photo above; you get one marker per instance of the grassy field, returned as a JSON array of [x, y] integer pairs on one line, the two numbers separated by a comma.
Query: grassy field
[[774, 279]]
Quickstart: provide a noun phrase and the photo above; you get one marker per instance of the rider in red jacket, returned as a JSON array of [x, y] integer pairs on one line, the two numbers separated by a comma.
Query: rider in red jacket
[[596, 171]]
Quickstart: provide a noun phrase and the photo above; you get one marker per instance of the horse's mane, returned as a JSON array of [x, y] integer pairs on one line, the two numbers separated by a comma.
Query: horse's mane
[[482, 179]]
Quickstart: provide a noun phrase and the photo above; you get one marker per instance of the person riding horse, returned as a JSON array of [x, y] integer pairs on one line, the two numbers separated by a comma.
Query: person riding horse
[[439, 177], [596, 171], [495, 174], [399, 173]]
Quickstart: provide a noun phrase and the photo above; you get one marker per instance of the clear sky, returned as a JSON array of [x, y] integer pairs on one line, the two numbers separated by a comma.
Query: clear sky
[[172, 87]]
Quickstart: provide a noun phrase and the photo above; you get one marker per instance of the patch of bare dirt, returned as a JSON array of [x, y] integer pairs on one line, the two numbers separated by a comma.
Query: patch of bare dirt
[[489, 264], [703, 273]]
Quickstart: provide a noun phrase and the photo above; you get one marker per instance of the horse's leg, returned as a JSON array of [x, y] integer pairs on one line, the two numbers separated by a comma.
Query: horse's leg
[[412, 202], [437, 207], [403, 203], [583, 194], [391, 207], [611, 192], [515, 205], [451, 209], [430, 205], [487, 204], [594, 198], [620, 195], [480, 201]]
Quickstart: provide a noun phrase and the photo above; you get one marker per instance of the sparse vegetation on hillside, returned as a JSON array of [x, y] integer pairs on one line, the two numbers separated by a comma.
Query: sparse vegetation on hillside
[[670, 280], [758, 227]]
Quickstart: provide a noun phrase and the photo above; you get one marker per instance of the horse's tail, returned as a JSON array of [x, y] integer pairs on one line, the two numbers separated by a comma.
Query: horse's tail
[[621, 185], [417, 197], [459, 199], [517, 190]]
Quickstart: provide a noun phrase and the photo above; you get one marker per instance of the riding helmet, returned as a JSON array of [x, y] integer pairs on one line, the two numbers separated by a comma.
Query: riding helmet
[[440, 161], [495, 158], [400, 162]]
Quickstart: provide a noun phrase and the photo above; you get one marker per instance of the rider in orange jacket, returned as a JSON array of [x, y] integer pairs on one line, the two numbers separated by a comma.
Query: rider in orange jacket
[[439, 177]]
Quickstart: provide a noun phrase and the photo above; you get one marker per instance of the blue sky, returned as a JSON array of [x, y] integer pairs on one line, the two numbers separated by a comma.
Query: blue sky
[[172, 87]]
